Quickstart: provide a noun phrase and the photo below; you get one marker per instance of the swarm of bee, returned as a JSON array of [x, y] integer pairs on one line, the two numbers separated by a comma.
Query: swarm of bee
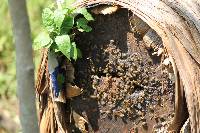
[[126, 84]]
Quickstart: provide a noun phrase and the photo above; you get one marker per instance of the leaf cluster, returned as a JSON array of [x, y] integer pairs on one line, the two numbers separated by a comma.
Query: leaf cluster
[[60, 23]]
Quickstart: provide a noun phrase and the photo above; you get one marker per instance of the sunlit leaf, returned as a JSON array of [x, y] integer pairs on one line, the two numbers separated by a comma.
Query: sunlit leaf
[[48, 19], [41, 41], [59, 16], [85, 13], [64, 44]]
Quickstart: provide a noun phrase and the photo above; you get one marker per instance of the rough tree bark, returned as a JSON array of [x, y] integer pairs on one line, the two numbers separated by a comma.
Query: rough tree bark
[[177, 22], [25, 68]]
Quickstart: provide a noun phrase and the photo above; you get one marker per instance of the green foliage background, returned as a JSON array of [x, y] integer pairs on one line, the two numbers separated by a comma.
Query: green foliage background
[[7, 54]]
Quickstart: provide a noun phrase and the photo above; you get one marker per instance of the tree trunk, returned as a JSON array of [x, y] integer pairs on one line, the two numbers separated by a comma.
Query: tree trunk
[[177, 23], [25, 67]]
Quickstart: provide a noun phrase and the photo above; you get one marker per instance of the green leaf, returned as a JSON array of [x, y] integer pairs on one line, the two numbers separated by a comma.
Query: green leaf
[[67, 24], [41, 41], [74, 53], [59, 16], [54, 47], [79, 53], [85, 13], [64, 44], [82, 25], [48, 19]]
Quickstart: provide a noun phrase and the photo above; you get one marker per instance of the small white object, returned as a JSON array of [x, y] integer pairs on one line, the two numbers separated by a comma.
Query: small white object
[[160, 51], [166, 62]]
